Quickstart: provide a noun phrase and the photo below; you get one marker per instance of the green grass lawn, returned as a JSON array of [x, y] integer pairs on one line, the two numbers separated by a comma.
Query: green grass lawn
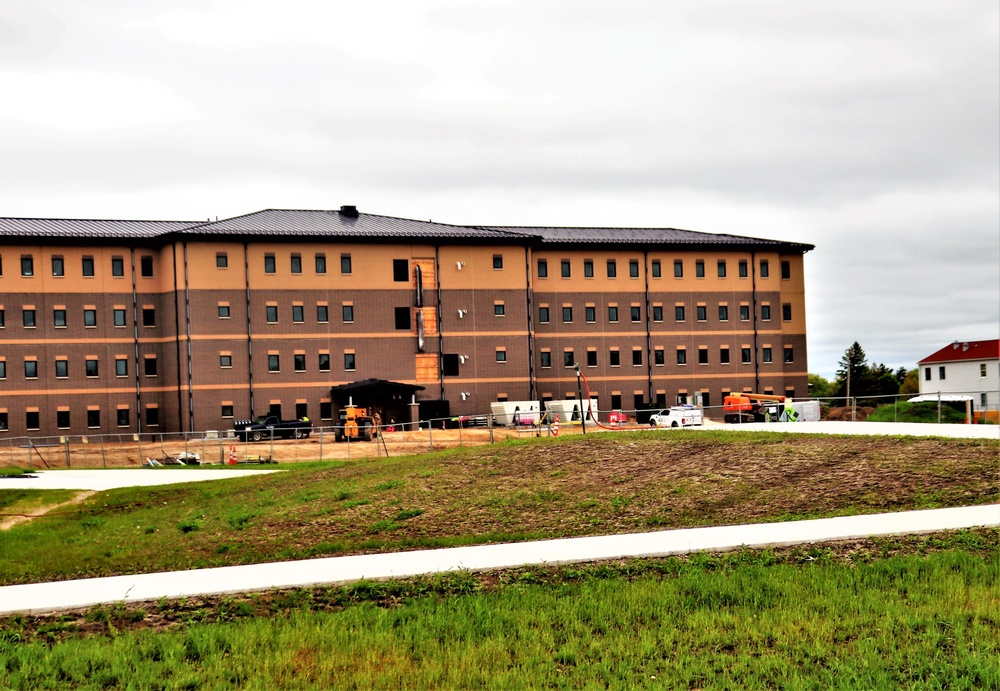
[[919, 612]]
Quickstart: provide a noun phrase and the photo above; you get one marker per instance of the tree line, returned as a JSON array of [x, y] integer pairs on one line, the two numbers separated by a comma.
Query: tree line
[[858, 378]]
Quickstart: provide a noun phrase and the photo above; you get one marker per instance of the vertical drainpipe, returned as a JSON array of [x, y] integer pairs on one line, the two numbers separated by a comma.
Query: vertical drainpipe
[[529, 297], [437, 274], [246, 277], [649, 334], [187, 324], [177, 342], [753, 307], [135, 342]]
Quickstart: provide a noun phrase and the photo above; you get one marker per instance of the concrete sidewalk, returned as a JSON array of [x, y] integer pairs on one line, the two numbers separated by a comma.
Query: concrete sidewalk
[[64, 595]]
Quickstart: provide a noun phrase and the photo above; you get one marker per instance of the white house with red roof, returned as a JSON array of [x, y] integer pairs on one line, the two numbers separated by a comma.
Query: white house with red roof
[[969, 368]]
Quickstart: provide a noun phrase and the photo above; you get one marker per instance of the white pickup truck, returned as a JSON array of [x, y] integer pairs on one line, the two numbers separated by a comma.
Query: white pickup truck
[[678, 416]]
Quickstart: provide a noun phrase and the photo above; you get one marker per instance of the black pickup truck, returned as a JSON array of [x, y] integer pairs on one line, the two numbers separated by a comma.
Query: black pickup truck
[[267, 427]]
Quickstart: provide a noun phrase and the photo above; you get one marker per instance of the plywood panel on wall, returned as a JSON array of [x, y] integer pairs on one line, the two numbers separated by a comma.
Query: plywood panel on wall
[[427, 368]]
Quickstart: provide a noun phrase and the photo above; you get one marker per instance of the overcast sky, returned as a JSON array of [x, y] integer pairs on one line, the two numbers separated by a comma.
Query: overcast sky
[[869, 129]]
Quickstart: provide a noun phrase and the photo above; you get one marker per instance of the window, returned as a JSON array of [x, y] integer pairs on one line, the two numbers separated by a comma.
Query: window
[[786, 312], [28, 317], [90, 317], [982, 369], [93, 418], [62, 369], [149, 366], [123, 417], [723, 356], [296, 263], [702, 313], [786, 270], [299, 362], [658, 357], [591, 358], [636, 313], [91, 367], [744, 269], [927, 373], [326, 410], [152, 417], [400, 270], [543, 268], [3, 369], [118, 267], [3, 319], [221, 260], [982, 402], [320, 263], [723, 313], [27, 265], [543, 315], [567, 314], [612, 268], [146, 266], [323, 313], [121, 367], [789, 354], [721, 268], [613, 314], [270, 266], [656, 269], [271, 312], [498, 309], [614, 358], [633, 268], [298, 314], [349, 362], [657, 313], [679, 313], [119, 317], [569, 359], [62, 419], [88, 266], [347, 313], [941, 372], [58, 266], [324, 362], [59, 318], [745, 355], [403, 318], [501, 355], [590, 313], [345, 264], [765, 354], [225, 361], [699, 268], [498, 261], [223, 311], [148, 316], [765, 270], [636, 358], [301, 410], [678, 268], [702, 356], [588, 268], [745, 313], [31, 419], [765, 313], [273, 362], [564, 268], [546, 358], [682, 356]]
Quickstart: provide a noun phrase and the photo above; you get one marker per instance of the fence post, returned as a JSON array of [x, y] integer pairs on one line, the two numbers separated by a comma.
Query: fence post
[[430, 434], [321, 443], [65, 440]]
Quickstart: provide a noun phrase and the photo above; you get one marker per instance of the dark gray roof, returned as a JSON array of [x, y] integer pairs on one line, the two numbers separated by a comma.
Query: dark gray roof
[[87, 228], [291, 222], [641, 236]]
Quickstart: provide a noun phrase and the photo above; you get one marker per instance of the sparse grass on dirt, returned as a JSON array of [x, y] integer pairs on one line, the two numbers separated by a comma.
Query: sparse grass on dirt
[[545, 488]]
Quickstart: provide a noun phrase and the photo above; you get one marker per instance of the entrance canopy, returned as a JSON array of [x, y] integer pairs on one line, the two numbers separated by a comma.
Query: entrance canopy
[[389, 399]]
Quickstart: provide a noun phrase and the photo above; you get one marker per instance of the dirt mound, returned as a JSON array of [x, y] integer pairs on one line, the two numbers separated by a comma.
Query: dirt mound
[[860, 413]]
